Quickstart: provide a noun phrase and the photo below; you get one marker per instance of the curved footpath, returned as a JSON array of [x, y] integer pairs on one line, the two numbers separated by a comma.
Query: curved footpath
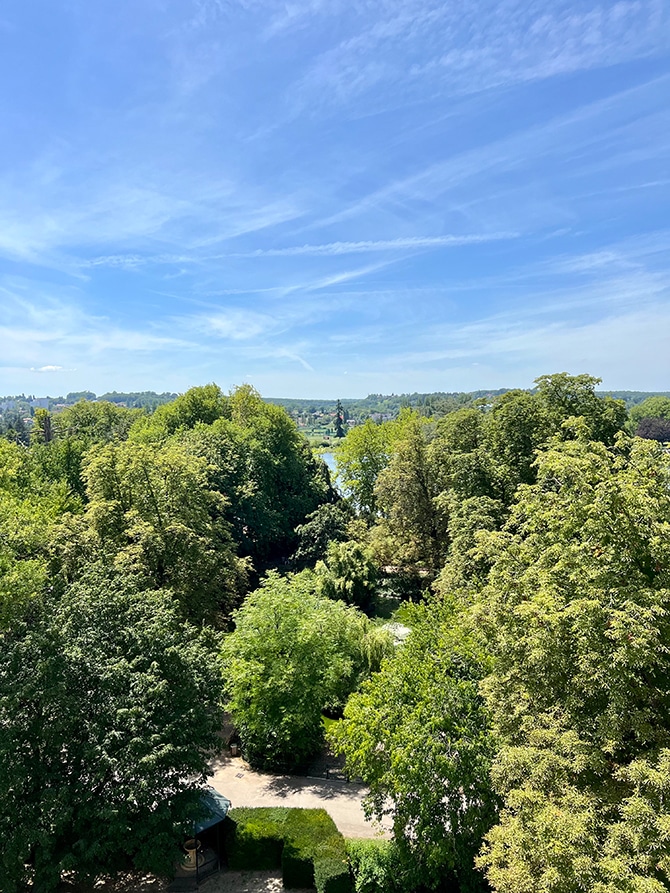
[[342, 800]]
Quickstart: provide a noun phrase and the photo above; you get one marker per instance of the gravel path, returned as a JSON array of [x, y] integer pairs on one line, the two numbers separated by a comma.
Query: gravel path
[[342, 800], [224, 882], [245, 882], [235, 780]]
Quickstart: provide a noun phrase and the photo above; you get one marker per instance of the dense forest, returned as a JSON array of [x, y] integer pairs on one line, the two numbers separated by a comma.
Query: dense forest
[[160, 564]]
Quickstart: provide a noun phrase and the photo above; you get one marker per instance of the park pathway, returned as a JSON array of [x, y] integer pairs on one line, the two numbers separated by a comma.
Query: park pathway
[[342, 800]]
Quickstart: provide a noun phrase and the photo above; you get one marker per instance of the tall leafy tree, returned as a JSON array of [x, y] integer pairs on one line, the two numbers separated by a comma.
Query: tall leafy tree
[[292, 654], [92, 422], [349, 573], [152, 513], [327, 524], [339, 420], [566, 396], [418, 734], [360, 458], [576, 611], [108, 717], [255, 458], [412, 527], [265, 470], [200, 405], [60, 441], [363, 455], [30, 509]]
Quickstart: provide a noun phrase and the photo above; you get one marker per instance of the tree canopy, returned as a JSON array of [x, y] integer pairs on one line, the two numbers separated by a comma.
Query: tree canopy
[[151, 513], [417, 733], [576, 618], [517, 734], [108, 715], [292, 654]]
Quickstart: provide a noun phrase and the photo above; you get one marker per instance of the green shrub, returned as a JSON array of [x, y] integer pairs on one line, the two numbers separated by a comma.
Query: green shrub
[[313, 844], [297, 866], [254, 838], [304, 842], [377, 867], [331, 874]]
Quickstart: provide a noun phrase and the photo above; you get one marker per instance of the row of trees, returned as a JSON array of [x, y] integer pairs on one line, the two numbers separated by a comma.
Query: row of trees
[[518, 737], [126, 542]]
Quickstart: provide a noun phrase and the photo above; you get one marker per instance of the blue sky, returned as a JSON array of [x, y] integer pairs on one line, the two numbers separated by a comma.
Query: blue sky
[[328, 198]]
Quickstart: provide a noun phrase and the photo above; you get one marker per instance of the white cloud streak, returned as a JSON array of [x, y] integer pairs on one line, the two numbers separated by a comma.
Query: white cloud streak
[[425, 46], [411, 243]]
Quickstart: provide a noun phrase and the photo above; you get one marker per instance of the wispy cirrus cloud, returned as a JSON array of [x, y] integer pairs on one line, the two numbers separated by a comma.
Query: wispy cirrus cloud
[[411, 243], [594, 127], [424, 44], [45, 221], [35, 320], [599, 347], [331, 249], [303, 190]]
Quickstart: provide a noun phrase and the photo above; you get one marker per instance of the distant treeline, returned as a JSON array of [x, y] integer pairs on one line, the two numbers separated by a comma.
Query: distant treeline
[[632, 398], [435, 403], [133, 399]]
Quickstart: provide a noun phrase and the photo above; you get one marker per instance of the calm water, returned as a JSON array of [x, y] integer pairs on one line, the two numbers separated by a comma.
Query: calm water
[[329, 459]]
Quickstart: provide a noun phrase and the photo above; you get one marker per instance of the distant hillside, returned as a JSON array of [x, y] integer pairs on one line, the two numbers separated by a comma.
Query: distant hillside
[[436, 403], [356, 409], [632, 398], [139, 399]]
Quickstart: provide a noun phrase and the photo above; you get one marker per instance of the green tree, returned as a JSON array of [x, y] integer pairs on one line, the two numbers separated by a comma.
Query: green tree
[[201, 405], [576, 614], [461, 456], [349, 573], [519, 424], [471, 456], [42, 430], [60, 441], [108, 717], [326, 524], [360, 458], [94, 422], [412, 528], [151, 513], [265, 470], [30, 510], [60, 461], [651, 408], [566, 396], [417, 733], [13, 427], [292, 654], [339, 420], [469, 561]]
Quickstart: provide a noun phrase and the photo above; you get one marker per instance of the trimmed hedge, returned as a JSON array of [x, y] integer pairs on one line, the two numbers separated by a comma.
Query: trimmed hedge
[[305, 843], [253, 839]]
